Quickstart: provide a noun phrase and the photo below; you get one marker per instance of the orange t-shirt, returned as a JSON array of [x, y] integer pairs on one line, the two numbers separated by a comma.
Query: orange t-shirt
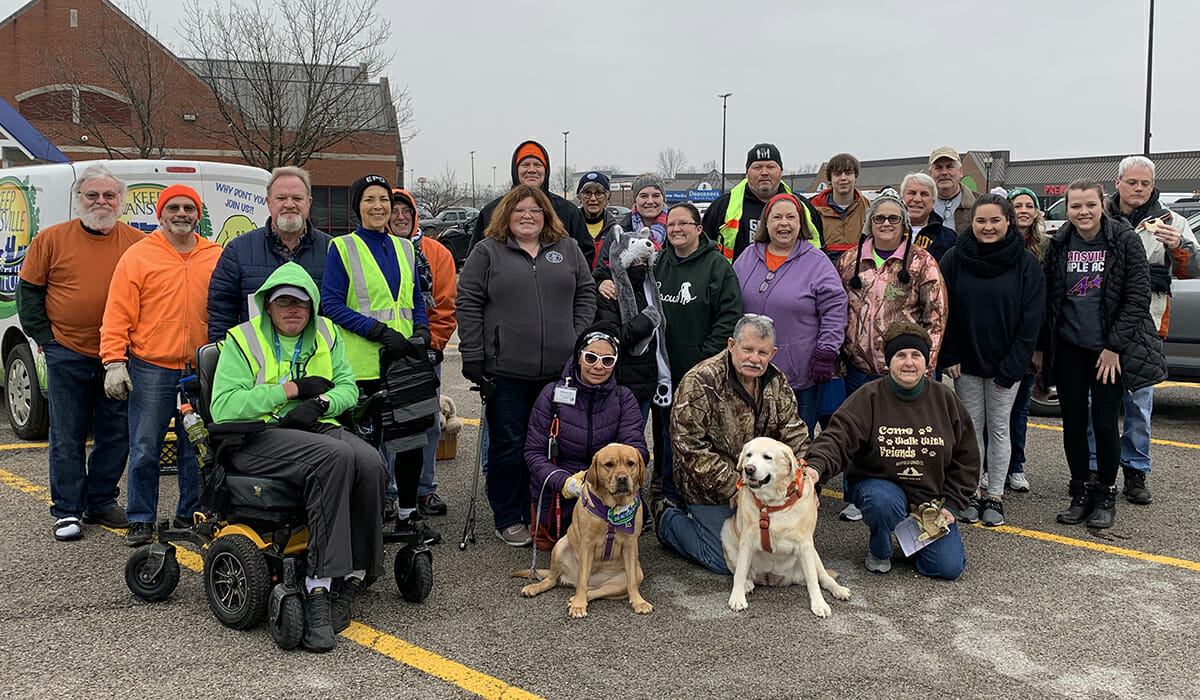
[[774, 261], [76, 267]]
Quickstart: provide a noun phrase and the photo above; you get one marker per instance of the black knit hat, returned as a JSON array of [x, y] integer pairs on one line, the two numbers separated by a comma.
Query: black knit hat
[[360, 185], [763, 151]]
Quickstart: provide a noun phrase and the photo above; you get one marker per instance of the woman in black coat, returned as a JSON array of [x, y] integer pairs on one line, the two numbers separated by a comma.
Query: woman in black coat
[[1098, 340]]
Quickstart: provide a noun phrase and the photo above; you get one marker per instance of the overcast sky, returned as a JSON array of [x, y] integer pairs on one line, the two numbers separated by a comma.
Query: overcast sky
[[877, 78]]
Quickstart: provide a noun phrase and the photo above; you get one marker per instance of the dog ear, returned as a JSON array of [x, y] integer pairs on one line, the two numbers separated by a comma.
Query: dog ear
[[741, 461], [641, 468], [785, 453], [592, 478]]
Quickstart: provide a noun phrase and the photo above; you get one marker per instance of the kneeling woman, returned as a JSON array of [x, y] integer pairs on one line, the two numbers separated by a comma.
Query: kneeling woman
[[571, 420], [903, 442]]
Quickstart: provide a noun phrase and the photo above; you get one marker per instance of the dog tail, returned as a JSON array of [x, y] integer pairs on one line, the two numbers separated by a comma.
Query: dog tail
[[529, 574]]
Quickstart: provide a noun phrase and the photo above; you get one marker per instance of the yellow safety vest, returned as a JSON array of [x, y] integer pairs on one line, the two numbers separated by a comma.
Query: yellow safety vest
[[368, 294], [260, 353]]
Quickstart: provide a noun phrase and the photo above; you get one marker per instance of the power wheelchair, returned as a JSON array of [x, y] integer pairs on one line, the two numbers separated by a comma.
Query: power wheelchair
[[252, 530]]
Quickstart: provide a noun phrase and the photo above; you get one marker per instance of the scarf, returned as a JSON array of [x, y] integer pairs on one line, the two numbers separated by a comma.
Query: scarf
[[423, 271], [658, 227], [990, 259]]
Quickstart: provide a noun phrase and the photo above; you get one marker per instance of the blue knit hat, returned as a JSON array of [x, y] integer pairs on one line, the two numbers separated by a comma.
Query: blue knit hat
[[593, 176]]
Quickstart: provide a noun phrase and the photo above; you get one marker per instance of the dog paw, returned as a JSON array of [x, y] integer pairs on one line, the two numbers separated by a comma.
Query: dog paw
[[820, 608], [642, 607], [528, 591], [576, 610], [840, 592], [737, 602]]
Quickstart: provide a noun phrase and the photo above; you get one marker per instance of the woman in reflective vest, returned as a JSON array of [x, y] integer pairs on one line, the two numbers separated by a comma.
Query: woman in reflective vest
[[370, 289]]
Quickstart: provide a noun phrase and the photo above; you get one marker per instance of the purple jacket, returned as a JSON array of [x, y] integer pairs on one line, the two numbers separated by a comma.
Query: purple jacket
[[601, 414], [806, 300]]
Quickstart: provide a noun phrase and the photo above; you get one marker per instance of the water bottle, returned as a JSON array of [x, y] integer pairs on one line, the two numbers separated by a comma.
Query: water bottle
[[197, 435]]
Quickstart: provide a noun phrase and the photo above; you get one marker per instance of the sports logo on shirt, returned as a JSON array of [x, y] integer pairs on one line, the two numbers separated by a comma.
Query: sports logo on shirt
[[554, 256]]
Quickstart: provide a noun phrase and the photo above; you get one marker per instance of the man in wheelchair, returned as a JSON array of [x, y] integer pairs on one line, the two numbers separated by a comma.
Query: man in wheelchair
[[288, 368]]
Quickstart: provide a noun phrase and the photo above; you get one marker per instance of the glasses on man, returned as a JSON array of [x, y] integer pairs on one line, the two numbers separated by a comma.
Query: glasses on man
[[535, 211], [106, 196], [892, 219], [592, 194], [606, 361], [289, 302], [766, 282]]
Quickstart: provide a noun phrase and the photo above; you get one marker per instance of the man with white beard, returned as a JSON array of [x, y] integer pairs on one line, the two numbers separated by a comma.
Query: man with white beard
[[60, 302], [250, 258]]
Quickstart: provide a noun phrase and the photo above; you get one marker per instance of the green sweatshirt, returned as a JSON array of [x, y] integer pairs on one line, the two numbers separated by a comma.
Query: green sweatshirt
[[235, 395], [702, 301]]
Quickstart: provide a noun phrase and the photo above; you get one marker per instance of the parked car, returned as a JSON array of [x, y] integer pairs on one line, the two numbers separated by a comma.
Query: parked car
[[1056, 215], [453, 217], [617, 212]]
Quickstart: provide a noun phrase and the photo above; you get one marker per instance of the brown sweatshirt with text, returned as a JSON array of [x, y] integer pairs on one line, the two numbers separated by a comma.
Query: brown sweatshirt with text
[[925, 445]]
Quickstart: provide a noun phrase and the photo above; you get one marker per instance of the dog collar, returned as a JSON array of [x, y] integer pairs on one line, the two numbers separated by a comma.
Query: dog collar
[[617, 518], [794, 492]]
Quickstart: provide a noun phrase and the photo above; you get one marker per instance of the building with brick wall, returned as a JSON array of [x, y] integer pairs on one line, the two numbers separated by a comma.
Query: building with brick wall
[[62, 76]]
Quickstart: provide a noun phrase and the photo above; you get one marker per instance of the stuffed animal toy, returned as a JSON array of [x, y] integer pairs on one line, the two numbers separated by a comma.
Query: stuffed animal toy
[[627, 250], [450, 422]]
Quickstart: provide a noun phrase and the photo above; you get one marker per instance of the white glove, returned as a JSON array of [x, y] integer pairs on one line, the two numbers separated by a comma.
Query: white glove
[[574, 485], [116, 381]]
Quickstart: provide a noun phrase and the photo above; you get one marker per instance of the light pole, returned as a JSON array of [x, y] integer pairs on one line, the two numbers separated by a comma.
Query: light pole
[[493, 181], [564, 163], [472, 178], [1149, 79], [724, 108], [987, 164]]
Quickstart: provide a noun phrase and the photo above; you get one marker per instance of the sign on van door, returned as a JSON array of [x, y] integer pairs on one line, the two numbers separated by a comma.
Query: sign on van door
[[18, 216]]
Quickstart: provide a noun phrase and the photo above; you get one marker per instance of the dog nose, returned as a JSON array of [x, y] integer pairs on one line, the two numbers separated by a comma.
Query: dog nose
[[749, 469]]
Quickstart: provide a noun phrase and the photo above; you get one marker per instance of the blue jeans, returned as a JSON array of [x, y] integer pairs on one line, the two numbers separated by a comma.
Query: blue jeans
[[884, 505], [508, 476], [855, 378], [808, 404], [697, 534], [153, 402], [78, 482], [427, 485], [1018, 426], [1135, 434]]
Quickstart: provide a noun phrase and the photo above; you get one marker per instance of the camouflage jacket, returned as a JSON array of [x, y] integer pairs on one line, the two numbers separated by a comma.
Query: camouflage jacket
[[714, 416], [884, 300]]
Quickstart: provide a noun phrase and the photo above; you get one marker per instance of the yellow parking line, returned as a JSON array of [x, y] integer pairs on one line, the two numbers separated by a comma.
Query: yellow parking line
[[1168, 385], [394, 648], [471, 421], [1169, 443], [1095, 546], [24, 445]]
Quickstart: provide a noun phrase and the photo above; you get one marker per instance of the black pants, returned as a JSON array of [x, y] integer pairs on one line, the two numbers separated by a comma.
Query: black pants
[[1075, 374]]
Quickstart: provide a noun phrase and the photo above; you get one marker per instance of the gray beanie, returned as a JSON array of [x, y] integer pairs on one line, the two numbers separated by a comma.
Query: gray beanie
[[641, 182], [888, 195]]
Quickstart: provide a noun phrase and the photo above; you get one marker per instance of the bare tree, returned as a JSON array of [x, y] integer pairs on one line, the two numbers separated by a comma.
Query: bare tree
[[608, 170], [438, 193], [563, 181], [293, 78], [669, 162], [709, 166], [115, 91]]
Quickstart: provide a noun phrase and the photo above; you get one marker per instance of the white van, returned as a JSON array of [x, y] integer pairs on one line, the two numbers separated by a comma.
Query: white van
[[35, 197]]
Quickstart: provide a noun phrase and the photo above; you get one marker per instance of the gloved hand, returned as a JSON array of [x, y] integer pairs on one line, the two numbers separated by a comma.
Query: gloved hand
[[473, 371], [304, 416], [822, 365], [308, 387], [651, 313], [116, 381], [417, 349], [390, 338], [574, 486]]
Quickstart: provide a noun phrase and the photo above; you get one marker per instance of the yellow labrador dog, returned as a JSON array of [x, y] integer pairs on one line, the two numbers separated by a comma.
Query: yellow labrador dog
[[769, 539], [599, 555]]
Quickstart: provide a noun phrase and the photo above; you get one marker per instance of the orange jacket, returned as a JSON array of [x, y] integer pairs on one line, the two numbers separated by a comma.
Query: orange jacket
[[442, 321], [157, 303]]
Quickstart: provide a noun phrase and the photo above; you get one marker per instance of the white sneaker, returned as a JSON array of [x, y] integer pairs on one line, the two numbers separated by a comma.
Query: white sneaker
[[1018, 482], [851, 513]]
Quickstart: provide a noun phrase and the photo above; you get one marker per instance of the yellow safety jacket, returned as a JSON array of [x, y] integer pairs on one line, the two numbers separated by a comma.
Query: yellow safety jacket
[[369, 295]]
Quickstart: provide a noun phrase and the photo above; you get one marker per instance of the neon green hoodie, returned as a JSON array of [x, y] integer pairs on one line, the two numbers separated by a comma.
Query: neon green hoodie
[[236, 396]]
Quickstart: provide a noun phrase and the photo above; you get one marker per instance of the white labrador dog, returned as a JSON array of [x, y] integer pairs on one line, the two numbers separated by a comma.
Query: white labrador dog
[[769, 539]]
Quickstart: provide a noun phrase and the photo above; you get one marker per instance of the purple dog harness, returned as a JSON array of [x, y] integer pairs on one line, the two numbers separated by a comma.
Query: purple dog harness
[[618, 518]]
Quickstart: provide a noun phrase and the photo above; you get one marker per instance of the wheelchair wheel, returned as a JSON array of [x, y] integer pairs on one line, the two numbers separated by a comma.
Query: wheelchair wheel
[[236, 581], [414, 573], [145, 586], [285, 617]]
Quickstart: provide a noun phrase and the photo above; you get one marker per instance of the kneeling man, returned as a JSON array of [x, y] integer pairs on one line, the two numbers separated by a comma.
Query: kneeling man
[[288, 367], [721, 404]]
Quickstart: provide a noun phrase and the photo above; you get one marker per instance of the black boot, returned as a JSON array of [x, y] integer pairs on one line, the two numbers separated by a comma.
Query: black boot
[[318, 630], [1104, 506], [1135, 487], [344, 600], [1081, 503]]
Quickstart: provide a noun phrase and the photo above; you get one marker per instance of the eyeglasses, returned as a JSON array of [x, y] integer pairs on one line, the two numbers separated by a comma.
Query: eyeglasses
[[766, 282], [107, 196], [289, 302], [532, 212], [681, 224], [892, 219], [606, 361], [592, 193]]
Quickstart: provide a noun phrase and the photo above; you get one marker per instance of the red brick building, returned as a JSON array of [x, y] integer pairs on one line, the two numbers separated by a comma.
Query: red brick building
[[60, 75]]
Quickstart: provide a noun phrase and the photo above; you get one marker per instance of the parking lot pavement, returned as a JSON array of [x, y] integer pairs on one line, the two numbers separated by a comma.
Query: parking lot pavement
[[1043, 610]]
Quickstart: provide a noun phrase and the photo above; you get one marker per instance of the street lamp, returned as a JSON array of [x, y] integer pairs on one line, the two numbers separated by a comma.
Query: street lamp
[[493, 181], [724, 108], [987, 164], [472, 178], [1149, 77], [564, 163]]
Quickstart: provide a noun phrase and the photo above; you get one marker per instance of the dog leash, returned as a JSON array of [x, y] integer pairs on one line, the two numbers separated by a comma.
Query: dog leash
[[795, 491]]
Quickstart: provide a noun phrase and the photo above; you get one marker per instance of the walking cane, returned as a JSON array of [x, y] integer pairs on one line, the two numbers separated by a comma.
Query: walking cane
[[468, 533]]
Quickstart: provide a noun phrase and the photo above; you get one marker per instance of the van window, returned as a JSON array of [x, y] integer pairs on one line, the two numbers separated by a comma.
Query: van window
[[1057, 211]]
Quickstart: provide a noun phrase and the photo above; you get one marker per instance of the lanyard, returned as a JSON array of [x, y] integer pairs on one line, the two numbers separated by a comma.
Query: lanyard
[[295, 358]]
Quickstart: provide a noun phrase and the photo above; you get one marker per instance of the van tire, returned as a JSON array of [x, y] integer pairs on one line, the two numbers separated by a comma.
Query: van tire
[[28, 409]]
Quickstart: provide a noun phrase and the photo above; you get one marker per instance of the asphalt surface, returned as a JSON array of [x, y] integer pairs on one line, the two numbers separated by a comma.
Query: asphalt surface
[[1093, 616]]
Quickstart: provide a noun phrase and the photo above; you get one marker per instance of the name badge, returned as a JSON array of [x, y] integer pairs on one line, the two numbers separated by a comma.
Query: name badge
[[565, 395]]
